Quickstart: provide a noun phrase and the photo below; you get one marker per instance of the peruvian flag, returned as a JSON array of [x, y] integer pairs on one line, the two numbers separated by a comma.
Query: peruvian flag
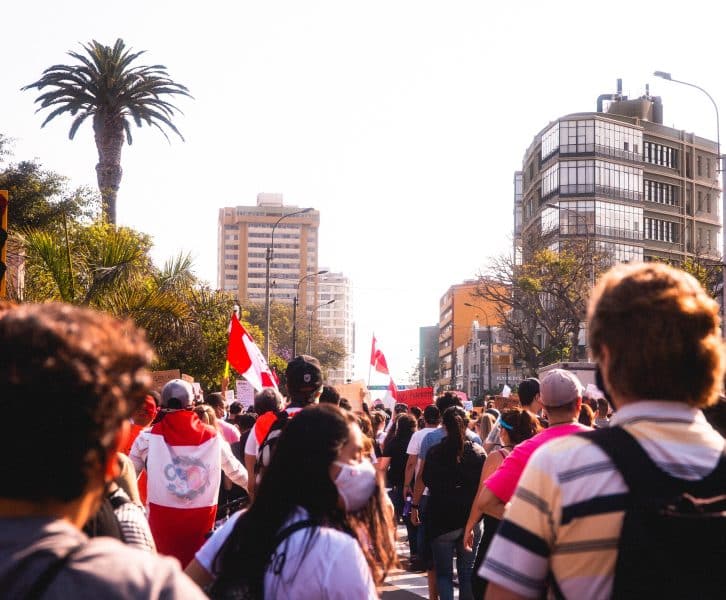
[[392, 389], [244, 355], [378, 361], [184, 467]]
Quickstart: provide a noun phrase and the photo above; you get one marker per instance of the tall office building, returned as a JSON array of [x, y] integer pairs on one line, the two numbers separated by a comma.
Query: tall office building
[[336, 320], [619, 177], [244, 234]]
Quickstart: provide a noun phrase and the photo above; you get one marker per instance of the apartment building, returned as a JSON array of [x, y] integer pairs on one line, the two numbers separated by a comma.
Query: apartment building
[[458, 308], [621, 178], [336, 320], [245, 233]]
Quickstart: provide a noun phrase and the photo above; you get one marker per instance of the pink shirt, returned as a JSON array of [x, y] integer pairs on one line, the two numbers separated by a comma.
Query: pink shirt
[[229, 431], [504, 480]]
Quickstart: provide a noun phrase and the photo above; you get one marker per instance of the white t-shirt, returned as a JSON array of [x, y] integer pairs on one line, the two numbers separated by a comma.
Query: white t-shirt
[[333, 568], [252, 446], [414, 444]]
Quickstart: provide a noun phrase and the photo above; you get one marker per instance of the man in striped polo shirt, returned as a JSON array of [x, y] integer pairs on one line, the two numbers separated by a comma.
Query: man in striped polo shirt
[[655, 335]]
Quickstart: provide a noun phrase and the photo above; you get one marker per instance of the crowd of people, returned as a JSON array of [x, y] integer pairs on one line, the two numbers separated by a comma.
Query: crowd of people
[[117, 491]]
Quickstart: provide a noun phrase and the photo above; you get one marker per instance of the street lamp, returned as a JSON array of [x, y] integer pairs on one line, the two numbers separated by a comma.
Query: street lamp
[[294, 308], [489, 360], [310, 322], [667, 77], [268, 261]]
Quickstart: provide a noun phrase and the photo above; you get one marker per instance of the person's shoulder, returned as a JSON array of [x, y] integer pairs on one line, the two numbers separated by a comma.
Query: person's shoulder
[[114, 569], [565, 452]]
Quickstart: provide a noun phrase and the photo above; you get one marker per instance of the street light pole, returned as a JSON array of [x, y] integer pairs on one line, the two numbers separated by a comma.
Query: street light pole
[[667, 77], [295, 302], [489, 335], [310, 322], [268, 262]]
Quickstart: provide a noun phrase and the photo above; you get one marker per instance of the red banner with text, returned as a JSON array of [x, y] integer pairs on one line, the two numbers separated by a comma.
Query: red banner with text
[[420, 397]]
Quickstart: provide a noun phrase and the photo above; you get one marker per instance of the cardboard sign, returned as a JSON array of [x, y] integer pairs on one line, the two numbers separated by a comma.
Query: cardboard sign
[[160, 378], [229, 397], [354, 392], [245, 392]]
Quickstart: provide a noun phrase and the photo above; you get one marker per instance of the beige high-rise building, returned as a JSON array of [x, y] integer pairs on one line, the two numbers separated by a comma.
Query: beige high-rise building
[[246, 232]]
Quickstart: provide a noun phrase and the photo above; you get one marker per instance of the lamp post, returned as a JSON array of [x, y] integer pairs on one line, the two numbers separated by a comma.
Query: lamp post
[[489, 351], [667, 77], [268, 261], [294, 308], [310, 322]]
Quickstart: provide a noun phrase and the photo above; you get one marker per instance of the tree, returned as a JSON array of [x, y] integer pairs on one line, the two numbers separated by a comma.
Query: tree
[[329, 351], [542, 302], [41, 198], [106, 87]]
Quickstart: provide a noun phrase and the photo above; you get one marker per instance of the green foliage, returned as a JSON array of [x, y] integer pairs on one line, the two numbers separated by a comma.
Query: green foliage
[[707, 271], [106, 84], [40, 198], [542, 302], [329, 351]]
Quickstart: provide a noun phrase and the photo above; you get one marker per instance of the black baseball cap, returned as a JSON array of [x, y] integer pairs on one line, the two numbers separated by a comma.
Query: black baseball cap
[[304, 375]]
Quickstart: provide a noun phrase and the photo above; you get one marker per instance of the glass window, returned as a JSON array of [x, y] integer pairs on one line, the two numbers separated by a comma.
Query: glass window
[[550, 180], [550, 141], [658, 154], [661, 230]]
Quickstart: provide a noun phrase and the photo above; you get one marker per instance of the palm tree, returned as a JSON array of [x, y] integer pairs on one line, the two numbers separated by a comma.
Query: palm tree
[[106, 87]]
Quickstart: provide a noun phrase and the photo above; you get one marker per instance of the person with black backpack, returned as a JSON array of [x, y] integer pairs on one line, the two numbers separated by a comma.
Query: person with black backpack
[[319, 527], [451, 473], [638, 509], [304, 380]]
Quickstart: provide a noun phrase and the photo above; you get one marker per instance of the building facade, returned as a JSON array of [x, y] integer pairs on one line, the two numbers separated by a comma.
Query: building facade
[[428, 356], [488, 362], [246, 232], [336, 320], [620, 178], [458, 308]]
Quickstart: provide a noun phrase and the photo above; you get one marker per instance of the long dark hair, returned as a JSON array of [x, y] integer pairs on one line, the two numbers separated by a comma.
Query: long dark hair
[[455, 421], [299, 476], [520, 424]]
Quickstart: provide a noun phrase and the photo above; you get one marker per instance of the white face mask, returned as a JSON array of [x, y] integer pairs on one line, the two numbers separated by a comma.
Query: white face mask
[[356, 484]]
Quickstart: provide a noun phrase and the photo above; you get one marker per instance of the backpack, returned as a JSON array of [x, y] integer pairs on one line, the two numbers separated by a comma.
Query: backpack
[[673, 539], [104, 522], [269, 443], [241, 590]]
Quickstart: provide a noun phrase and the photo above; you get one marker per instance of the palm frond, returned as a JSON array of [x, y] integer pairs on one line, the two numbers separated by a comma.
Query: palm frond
[[46, 255]]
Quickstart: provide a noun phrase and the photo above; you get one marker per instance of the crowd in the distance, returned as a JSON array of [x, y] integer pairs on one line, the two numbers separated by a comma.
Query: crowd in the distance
[[547, 492]]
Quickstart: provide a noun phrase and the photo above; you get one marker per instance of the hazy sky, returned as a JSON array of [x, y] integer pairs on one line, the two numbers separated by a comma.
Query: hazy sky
[[401, 121]]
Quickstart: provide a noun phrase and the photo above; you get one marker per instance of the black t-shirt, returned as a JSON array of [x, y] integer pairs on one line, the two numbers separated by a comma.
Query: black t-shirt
[[452, 487], [396, 450]]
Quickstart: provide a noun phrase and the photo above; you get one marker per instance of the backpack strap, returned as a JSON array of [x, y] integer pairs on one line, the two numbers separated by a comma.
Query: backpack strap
[[642, 476], [45, 578], [279, 559]]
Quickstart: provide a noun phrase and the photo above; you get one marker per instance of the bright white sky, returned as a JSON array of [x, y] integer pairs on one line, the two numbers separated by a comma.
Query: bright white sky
[[401, 121]]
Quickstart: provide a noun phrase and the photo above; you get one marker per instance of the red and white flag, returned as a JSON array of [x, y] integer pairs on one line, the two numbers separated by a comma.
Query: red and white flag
[[392, 389], [244, 355], [183, 466], [378, 361]]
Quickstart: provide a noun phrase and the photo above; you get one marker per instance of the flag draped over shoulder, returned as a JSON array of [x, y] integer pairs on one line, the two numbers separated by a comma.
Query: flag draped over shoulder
[[244, 355], [378, 361]]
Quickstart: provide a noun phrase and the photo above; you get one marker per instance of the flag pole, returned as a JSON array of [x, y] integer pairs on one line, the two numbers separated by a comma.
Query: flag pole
[[370, 362]]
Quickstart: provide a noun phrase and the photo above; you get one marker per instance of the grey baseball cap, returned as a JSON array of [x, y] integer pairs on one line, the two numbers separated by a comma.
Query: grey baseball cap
[[179, 390], [559, 387]]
